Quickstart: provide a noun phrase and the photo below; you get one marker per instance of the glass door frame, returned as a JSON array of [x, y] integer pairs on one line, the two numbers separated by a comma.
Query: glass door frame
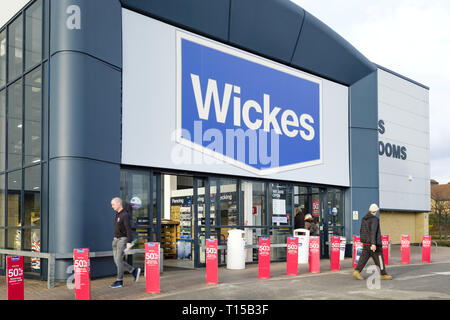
[[207, 211], [323, 218]]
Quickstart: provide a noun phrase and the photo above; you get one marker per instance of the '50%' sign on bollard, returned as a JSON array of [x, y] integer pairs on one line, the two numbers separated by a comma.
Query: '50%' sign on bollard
[[82, 274], [385, 243], [357, 248], [152, 267], [14, 278], [292, 256], [314, 254], [335, 253], [426, 249], [211, 261], [264, 258], [405, 248]]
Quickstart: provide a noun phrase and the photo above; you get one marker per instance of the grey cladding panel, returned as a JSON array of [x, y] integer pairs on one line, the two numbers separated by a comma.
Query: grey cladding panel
[[100, 33], [362, 198], [323, 51], [364, 103], [84, 108], [80, 210], [277, 29], [209, 17], [364, 158], [267, 27]]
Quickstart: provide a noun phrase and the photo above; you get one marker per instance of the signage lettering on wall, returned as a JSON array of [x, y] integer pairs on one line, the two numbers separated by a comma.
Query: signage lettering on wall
[[388, 149], [246, 110]]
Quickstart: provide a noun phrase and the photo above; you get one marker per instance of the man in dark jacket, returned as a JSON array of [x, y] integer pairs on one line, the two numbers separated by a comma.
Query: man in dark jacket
[[122, 241], [370, 236]]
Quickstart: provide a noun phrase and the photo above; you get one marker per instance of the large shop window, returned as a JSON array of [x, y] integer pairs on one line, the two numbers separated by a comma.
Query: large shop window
[[135, 194], [255, 215], [2, 58], [2, 202], [15, 46], [33, 111], [2, 129], [33, 34], [21, 109], [14, 205], [281, 205], [336, 212], [32, 216], [174, 209], [15, 123], [2, 217]]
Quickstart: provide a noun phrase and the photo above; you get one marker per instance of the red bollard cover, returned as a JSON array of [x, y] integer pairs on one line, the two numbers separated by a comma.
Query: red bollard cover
[[356, 245], [314, 254], [426, 249], [292, 256], [264, 258], [212, 261], [14, 278], [152, 267], [335, 253], [82, 274], [406, 243], [385, 242]]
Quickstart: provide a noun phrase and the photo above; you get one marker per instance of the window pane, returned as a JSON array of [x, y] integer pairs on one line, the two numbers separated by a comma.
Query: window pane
[[228, 206], [15, 46], [15, 125], [33, 110], [279, 204], [254, 203], [2, 200], [2, 240], [2, 58], [14, 190], [136, 202], [33, 36], [14, 239], [32, 242], [32, 205], [2, 129]]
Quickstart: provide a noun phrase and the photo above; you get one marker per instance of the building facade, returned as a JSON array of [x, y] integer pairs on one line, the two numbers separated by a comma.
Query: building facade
[[164, 103]]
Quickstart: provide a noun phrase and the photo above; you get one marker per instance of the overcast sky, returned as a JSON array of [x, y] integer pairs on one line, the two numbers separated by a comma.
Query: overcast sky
[[410, 37]]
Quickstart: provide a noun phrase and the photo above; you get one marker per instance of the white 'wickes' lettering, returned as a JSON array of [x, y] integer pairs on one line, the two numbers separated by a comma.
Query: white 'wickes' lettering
[[251, 114]]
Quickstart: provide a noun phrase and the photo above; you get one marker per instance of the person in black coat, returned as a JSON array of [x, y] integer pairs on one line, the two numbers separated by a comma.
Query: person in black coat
[[299, 222], [370, 236]]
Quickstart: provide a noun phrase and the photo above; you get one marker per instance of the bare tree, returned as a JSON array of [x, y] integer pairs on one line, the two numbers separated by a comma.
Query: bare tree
[[440, 205]]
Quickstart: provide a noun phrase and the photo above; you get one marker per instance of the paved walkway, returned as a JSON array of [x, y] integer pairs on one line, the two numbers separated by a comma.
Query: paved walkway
[[174, 281]]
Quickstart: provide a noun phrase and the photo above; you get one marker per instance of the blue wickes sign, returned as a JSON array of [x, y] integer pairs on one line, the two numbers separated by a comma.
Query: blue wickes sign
[[239, 108]]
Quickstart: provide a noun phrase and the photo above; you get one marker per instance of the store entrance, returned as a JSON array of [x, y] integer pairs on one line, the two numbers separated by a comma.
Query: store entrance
[[313, 203], [181, 211], [183, 223]]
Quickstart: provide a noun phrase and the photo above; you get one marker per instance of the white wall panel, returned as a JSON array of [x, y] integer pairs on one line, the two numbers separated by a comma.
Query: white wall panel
[[403, 106]]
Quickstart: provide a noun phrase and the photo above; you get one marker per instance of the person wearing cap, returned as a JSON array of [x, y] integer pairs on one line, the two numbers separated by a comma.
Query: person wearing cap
[[370, 236], [310, 225]]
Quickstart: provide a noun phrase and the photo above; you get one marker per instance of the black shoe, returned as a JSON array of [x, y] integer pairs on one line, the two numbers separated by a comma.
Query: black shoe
[[117, 284], [136, 273]]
